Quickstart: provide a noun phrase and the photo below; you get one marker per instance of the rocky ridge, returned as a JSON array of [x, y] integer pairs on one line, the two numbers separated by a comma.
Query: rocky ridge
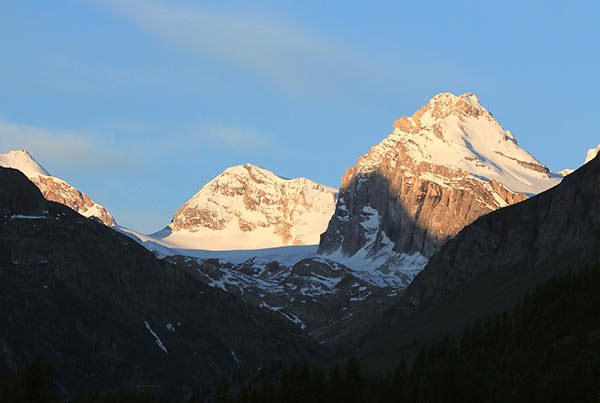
[[53, 188]]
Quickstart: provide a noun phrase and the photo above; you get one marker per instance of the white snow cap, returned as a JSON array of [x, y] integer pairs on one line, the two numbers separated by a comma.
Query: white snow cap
[[591, 154], [249, 207], [457, 132], [24, 162]]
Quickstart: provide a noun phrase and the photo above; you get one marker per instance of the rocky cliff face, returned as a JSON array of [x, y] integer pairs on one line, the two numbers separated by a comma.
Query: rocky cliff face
[[109, 315], [53, 188], [441, 169], [248, 207]]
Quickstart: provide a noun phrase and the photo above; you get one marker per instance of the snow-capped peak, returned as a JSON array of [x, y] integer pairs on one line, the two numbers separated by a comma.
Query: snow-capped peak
[[249, 207], [24, 162], [458, 132], [446, 103], [591, 154], [53, 188]]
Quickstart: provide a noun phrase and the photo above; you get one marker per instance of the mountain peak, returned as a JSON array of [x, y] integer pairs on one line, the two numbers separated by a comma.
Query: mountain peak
[[447, 103], [54, 189], [24, 162], [246, 170], [458, 132], [439, 170], [591, 154], [249, 207], [439, 108]]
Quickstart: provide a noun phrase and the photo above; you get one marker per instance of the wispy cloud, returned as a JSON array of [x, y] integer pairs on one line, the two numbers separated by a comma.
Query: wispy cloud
[[225, 137], [127, 145], [283, 54], [78, 150]]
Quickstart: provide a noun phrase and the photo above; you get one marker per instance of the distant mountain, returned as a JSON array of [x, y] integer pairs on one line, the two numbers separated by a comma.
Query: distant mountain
[[53, 188], [107, 314], [566, 172], [248, 207], [494, 262], [591, 154], [439, 170]]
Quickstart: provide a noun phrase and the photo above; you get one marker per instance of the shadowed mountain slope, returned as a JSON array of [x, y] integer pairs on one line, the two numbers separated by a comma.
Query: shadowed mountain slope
[[492, 263], [107, 314]]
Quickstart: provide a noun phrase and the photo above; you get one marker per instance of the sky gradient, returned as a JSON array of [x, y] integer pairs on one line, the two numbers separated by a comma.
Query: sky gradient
[[140, 103]]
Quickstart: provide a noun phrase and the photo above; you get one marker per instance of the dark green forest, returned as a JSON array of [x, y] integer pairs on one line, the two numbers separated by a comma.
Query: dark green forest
[[546, 349]]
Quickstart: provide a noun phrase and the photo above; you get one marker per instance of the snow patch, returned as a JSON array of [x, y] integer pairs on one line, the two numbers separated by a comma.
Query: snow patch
[[27, 217], [237, 361], [156, 338]]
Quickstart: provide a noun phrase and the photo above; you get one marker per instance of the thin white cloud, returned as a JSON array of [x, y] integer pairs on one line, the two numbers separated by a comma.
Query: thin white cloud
[[138, 146], [285, 55], [53, 147], [233, 138]]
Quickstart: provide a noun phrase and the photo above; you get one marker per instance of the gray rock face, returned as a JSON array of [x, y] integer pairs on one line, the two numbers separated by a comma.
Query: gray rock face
[[439, 170], [107, 314]]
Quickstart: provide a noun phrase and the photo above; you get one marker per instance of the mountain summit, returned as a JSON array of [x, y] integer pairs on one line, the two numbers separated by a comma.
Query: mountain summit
[[24, 162], [55, 189], [439, 170], [249, 207], [457, 132], [591, 154]]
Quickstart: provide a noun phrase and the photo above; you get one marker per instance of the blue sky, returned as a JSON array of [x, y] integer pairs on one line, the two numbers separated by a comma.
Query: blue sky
[[139, 103]]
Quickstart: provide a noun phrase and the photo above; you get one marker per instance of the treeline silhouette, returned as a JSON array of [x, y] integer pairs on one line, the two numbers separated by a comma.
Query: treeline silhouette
[[546, 349]]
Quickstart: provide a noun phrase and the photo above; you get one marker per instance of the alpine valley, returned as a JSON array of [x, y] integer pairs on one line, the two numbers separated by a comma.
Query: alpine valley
[[439, 170], [444, 222]]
